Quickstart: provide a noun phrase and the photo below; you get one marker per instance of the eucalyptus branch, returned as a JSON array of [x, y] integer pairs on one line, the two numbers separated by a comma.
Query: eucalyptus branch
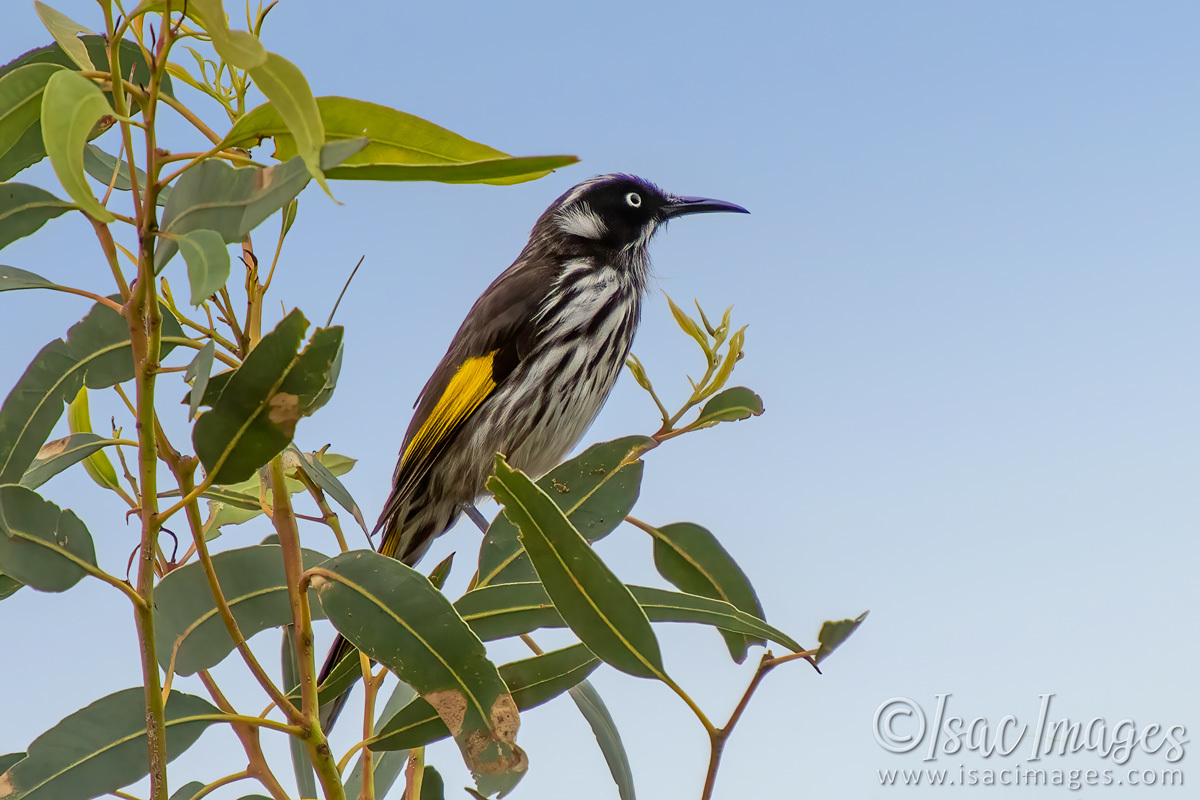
[[719, 737], [121, 107], [208, 332], [284, 521], [108, 246], [257, 766], [145, 327], [328, 516], [184, 471], [416, 774]]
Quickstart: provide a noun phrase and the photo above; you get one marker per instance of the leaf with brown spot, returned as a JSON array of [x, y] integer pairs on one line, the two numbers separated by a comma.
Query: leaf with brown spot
[[393, 613], [256, 414]]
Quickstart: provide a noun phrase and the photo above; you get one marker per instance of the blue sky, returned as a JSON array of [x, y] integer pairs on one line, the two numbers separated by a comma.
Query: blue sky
[[970, 275]]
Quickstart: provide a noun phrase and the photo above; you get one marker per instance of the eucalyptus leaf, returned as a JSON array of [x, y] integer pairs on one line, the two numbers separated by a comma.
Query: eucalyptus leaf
[[24, 209], [109, 170], [730, 405], [189, 627], [690, 557], [255, 417], [233, 201], [593, 601], [833, 634], [65, 32], [59, 454], [21, 92], [96, 353], [71, 107], [532, 681], [197, 374], [596, 489], [207, 260], [402, 146], [41, 545], [392, 613], [102, 747], [12, 278], [604, 728]]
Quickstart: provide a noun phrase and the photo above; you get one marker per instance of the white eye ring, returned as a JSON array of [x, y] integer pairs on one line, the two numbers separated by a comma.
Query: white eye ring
[[633, 199]]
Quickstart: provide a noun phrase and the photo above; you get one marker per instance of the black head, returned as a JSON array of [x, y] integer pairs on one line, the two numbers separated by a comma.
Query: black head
[[622, 211]]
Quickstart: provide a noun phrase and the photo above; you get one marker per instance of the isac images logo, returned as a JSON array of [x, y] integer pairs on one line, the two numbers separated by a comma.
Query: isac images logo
[[901, 726]]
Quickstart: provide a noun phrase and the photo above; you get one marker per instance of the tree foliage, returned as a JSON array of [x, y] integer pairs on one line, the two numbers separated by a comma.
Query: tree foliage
[[91, 105]]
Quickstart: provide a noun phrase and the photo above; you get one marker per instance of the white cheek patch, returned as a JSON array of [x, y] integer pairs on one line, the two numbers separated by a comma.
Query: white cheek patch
[[580, 220]]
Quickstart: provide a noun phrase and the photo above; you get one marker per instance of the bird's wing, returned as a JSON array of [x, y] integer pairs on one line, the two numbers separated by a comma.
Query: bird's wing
[[496, 335]]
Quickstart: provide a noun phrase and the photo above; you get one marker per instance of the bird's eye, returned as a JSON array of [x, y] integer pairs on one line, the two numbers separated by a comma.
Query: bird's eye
[[633, 199]]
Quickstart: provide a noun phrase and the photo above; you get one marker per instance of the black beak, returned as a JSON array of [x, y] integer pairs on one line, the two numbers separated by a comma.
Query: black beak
[[679, 206]]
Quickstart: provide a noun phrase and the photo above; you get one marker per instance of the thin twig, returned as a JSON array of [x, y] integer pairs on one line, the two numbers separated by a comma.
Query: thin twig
[[718, 737]]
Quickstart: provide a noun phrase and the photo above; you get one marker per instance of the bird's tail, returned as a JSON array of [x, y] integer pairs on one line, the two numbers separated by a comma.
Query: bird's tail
[[329, 711], [403, 546]]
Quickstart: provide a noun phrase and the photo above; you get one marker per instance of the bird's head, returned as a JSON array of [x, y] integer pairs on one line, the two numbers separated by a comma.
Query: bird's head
[[621, 212]]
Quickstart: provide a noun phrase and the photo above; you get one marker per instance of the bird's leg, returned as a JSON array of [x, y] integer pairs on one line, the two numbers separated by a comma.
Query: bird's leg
[[479, 519]]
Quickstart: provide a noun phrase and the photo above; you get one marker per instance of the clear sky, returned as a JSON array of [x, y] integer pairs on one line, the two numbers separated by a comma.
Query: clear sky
[[970, 275]]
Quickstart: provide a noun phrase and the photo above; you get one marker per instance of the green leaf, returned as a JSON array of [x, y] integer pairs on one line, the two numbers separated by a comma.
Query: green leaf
[[596, 489], [190, 790], [12, 278], [592, 600], [197, 374], [604, 728], [207, 261], [497, 171], [96, 464], [690, 327], [326, 393], [243, 501], [402, 146], [314, 366], [691, 558], [834, 633], [102, 747], [232, 200], [21, 99], [8, 586], [96, 353], [663, 605], [329, 484], [109, 170], [41, 545], [302, 766], [510, 609], [8, 759], [439, 574], [24, 209], [732, 355], [393, 614], [71, 107], [255, 417], [728, 406], [189, 626], [532, 681], [133, 62], [387, 766], [289, 93], [432, 785], [21, 116], [59, 454], [65, 32], [241, 49]]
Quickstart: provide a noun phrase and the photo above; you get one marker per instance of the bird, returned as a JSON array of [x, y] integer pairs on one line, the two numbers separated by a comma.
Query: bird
[[530, 366]]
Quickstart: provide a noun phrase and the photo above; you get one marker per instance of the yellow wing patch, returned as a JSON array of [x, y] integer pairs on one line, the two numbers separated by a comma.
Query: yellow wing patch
[[466, 390]]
